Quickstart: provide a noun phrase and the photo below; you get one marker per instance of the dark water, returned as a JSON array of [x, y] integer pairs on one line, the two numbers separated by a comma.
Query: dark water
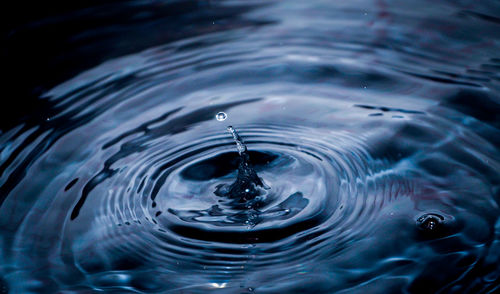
[[373, 125]]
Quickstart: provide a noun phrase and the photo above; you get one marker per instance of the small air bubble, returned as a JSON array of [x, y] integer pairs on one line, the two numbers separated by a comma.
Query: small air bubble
[[221, 116], [430, 222]]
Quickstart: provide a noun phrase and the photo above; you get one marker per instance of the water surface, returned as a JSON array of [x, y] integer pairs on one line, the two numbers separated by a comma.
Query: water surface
[[373, 125]]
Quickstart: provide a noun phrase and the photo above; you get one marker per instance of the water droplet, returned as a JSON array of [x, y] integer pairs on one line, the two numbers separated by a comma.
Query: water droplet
[[221, 116]]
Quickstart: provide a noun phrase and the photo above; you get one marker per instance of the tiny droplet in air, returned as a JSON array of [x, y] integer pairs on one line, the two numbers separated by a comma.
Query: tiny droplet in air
[[221, 116]]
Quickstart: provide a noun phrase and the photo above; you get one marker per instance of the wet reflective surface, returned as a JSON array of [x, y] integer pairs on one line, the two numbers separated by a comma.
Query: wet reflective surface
[[371, 129]]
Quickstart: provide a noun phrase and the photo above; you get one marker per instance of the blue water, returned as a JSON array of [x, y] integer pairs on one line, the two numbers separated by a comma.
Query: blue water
[[374, 127]]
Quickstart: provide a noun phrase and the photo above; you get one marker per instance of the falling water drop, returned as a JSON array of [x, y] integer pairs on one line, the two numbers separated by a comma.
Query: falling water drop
[[221, 116]]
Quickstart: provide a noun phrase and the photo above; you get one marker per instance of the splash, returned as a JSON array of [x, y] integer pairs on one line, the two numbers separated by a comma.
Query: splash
[[248, 184]]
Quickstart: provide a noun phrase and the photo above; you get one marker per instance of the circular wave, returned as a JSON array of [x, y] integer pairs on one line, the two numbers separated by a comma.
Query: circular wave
[[321, 191]]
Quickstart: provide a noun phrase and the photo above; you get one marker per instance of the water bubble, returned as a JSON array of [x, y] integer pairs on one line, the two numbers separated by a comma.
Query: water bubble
[[430, 222], [221, 116]]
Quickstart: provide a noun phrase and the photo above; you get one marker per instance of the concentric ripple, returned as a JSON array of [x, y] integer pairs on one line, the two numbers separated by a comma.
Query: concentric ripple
[[320, 192], [379, 173]]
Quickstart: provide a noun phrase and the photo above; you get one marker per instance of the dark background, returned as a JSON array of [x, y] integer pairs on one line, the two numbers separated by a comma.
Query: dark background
[[48, 42]]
